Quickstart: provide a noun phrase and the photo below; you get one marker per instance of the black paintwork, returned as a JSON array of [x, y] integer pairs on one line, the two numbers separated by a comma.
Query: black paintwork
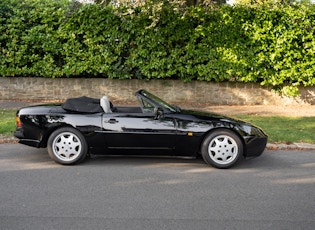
[[152, 128]]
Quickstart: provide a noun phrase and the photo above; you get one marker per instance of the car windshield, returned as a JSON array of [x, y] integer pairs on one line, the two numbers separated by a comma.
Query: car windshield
[[159, 101]]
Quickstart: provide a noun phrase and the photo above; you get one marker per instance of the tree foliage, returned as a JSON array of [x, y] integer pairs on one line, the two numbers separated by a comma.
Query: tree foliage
[[273, 44]]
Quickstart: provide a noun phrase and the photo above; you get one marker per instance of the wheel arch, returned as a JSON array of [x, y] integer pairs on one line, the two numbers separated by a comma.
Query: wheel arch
[[46, 135]]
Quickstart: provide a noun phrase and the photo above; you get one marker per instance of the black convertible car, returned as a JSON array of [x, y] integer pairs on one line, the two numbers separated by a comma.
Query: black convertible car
[[82, 126]]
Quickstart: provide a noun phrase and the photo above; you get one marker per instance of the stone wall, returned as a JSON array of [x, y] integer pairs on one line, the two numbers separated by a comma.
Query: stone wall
[[122, 91]]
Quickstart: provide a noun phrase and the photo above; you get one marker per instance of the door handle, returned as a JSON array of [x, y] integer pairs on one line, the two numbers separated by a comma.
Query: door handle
[[111, 121]]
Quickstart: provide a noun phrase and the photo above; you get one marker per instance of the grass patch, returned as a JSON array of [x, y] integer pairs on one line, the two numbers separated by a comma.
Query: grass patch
[[7, 122], [279, 129], [284, 129]]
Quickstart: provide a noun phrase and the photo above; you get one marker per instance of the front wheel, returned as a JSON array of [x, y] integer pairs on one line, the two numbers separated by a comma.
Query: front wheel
[[222, 149], [67, 146]]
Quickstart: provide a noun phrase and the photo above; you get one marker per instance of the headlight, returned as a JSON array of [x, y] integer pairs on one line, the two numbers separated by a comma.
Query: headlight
[[253, 131]]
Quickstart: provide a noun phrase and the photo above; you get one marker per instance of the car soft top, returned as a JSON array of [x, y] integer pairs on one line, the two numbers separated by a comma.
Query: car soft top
[[82, 105]]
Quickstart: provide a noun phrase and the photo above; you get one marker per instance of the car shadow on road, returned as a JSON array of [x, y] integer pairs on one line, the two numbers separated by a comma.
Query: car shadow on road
[[268, 160], [141, 160], [169, 161]]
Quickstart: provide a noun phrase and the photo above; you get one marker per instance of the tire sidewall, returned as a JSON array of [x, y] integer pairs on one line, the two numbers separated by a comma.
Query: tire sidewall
[[210, 137], [81, 156]]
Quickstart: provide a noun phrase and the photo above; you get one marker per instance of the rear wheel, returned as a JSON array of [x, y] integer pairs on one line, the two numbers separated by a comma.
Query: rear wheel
[[67, 146], [222, 149]]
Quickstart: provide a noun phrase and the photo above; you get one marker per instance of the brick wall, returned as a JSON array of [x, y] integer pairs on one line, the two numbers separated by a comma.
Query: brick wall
[[122, 91]]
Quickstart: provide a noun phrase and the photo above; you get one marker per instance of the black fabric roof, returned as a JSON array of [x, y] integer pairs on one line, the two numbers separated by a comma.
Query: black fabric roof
[[82, 104]]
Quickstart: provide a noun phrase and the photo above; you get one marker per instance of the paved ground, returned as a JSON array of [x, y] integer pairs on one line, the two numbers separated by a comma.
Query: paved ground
[[15, 104], [267, 110], [273, 191]]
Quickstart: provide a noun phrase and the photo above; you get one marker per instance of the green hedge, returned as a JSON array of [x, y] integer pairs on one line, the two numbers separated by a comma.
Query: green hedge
[[273, 45]]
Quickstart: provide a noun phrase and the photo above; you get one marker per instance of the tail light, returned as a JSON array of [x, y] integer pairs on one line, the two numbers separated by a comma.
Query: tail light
[[18, 122]]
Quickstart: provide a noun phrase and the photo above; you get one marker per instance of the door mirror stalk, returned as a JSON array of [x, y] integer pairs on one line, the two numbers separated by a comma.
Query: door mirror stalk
[[158, 113]]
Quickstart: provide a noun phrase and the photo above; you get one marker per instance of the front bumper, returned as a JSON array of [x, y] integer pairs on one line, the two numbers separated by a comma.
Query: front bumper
[[256, 146]]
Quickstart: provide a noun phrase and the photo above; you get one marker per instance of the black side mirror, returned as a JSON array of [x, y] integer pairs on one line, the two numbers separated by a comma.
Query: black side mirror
[[158, 113]]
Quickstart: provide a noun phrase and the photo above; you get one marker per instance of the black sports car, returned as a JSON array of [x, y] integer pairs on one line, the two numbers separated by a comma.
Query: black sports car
[[83, 126]]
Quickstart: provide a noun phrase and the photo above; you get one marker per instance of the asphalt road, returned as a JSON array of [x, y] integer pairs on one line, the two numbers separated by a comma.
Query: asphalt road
[[274, 191]]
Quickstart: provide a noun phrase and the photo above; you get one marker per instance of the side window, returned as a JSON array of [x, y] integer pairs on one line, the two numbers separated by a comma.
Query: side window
[[147, 107]]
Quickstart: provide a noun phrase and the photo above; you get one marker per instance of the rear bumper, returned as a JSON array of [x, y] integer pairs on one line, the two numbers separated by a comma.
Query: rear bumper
[[18, 134], [22, 140], [256, 146]]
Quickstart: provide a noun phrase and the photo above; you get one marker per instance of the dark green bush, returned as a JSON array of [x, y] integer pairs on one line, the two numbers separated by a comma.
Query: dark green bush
[[273, 45]]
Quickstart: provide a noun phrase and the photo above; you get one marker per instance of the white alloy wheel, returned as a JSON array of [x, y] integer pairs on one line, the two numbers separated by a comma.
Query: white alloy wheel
[[222, 148], [67, 146]]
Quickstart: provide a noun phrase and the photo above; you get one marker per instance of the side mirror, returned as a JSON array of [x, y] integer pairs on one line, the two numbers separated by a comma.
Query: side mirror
[[158, 113]]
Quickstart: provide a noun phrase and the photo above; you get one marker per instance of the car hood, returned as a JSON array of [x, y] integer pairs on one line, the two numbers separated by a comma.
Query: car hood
[[209, 116], [239, 125]]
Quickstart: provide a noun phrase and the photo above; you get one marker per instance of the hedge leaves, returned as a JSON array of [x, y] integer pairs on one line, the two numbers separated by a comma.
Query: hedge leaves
[[273, 45]]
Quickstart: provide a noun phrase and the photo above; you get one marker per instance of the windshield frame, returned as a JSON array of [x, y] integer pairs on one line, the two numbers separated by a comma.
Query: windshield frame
[[155, 101]]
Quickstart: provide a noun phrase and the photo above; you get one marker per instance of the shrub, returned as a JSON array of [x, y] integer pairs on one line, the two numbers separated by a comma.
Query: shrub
[[270, 44]]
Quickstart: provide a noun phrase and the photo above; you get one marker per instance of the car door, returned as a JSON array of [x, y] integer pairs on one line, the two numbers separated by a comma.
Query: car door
[[139, 133]]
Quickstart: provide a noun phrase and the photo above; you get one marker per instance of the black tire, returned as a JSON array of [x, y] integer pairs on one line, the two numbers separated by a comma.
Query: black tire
[[222, 149], [67, 146]]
